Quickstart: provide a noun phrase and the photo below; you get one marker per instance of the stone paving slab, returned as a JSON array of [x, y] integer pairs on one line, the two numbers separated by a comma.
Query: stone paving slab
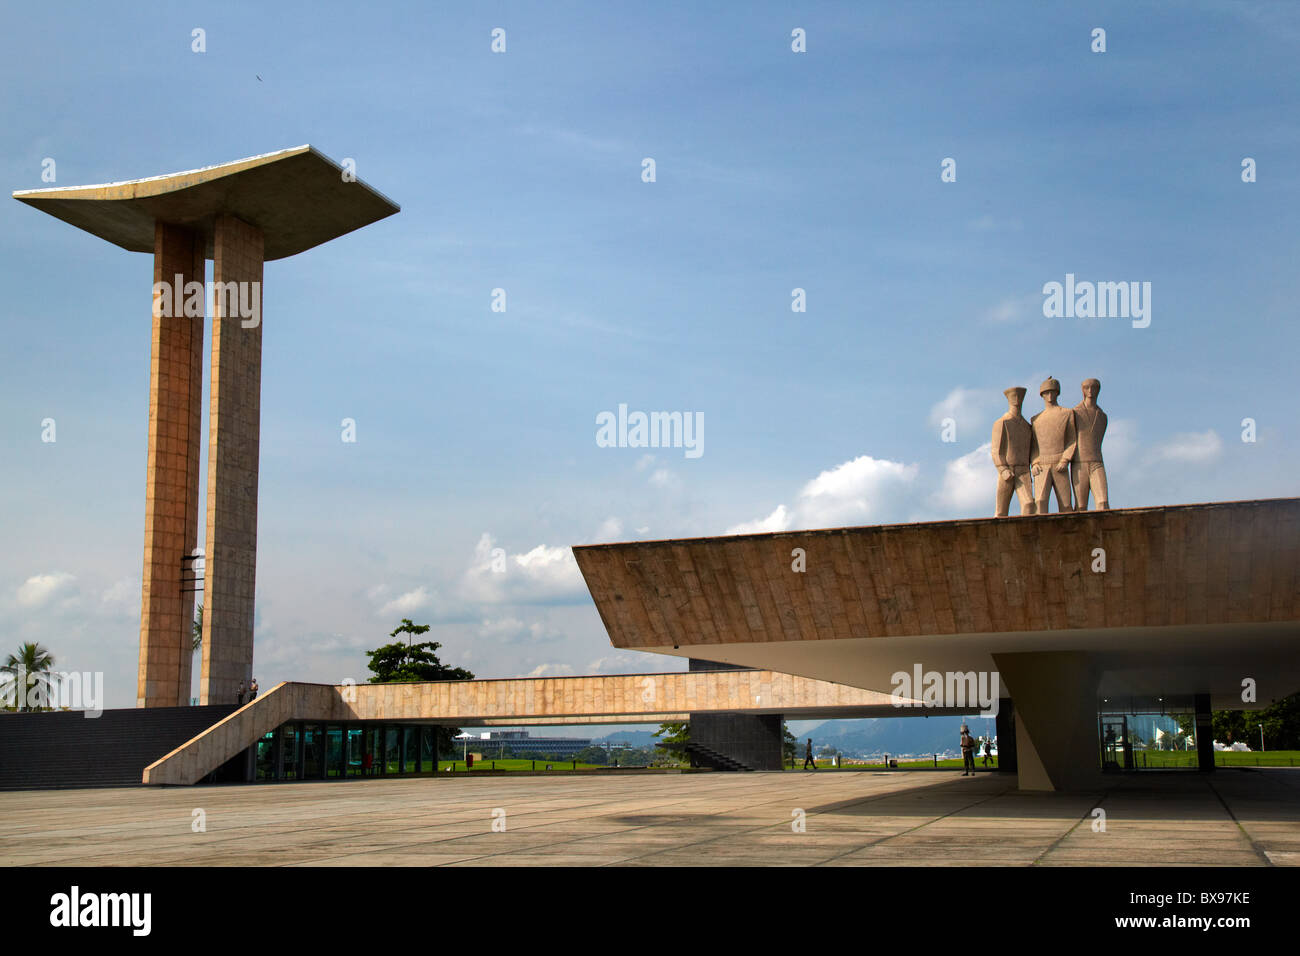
[[1230, 818]]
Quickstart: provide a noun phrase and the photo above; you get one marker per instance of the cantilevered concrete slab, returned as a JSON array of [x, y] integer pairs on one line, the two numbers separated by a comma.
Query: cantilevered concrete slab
[[297, 197], [1193, 599]]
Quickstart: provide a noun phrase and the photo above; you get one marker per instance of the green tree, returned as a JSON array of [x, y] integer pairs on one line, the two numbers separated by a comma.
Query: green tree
[[676, 735], [789, 745], [31, 664], [1280, 720], [397, 662], [593, 754], [197, 641]]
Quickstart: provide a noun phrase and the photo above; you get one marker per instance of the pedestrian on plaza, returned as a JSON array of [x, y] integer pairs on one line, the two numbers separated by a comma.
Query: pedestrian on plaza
[[988, 751], [808, 757], [967, 752], [252, 690], [240, 698]]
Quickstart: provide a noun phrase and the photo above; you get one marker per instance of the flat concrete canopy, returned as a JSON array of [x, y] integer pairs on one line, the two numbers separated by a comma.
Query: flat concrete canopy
[[1194, 599], [297, 197], [616, 698]]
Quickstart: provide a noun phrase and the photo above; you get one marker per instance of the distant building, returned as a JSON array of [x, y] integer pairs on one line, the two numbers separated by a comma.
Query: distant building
[[495, 742]]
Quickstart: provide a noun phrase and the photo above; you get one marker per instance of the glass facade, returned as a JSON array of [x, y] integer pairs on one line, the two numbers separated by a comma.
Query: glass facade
[[307, 751]]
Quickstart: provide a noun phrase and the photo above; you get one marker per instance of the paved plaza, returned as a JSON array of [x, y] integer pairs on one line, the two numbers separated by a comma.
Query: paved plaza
[[936, 818]]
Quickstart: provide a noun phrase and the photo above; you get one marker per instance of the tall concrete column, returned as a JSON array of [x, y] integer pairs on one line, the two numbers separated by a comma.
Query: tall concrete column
[[1055, 694], [234, 427], [1204, 733], [172, 471]]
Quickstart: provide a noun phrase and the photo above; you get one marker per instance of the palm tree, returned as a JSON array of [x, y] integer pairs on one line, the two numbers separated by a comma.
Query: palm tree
[[198, 630], [30, 662]]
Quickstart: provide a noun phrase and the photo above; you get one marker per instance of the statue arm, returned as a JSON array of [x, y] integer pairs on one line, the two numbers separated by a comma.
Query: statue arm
[[999, 437], [1071, 439]]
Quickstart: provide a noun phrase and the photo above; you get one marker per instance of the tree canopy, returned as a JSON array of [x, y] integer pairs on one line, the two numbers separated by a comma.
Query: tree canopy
[[409, 661]]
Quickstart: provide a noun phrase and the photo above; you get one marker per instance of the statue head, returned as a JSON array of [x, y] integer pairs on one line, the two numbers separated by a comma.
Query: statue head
[[1050, 390], [1015, 397], [1091, 388]]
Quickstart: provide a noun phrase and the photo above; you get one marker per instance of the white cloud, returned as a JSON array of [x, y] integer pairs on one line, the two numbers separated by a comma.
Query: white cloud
[[644, 462], [663, 478], [39, 589], [1120, 444], [122, 597], [610, 530], [1015, 308], [855, 491], [968, 407], [778, 520], [1191, 448], [968, 484], [544, 575], [406, 603], [550, 670], [625, 662], [852, 493], [511, 630]]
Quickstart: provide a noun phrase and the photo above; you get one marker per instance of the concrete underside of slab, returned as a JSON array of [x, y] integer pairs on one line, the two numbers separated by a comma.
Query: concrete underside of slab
[[298, 197]]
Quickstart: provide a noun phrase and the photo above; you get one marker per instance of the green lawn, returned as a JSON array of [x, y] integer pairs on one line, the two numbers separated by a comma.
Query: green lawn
[[515, 764], [1153, 759], [1222, 758]]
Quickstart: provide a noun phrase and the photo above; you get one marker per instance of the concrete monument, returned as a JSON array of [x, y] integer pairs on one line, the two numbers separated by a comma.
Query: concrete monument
[[239, 215], [1012, 438], [1087, 472], [1052, 448]]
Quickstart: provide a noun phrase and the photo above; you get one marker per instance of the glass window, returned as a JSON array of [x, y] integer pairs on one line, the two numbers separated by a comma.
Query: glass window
[[392, 755], [410, 741], [428, 740], [312, 763], [289, 748], [265, 766], [356, 751], [334, 766]]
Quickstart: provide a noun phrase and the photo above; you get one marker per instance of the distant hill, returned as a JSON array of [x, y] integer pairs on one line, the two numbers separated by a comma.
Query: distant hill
[[896, 735], [636, 738]]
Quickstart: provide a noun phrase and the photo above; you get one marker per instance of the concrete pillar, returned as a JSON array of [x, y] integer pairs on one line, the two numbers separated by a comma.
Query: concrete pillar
[[172, 472], [1204, 733], [234, 429], [1006, 733], [1055, 694]]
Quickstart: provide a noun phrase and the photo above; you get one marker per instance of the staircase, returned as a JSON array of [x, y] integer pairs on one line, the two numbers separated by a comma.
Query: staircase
[[712, 758], [66, 749]]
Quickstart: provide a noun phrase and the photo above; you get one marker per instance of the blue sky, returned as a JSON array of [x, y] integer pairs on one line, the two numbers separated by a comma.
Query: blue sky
[[521, 170]]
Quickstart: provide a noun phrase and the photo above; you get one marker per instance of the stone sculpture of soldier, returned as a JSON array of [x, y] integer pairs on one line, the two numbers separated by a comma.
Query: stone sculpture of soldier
[[1087, 472], [1012, 438], [1052, 449]]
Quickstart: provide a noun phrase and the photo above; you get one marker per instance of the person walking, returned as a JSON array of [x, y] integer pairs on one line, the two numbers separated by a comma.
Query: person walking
[[252, 690], [808, 757], [240, 699], [988, 751], [967, 752]]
